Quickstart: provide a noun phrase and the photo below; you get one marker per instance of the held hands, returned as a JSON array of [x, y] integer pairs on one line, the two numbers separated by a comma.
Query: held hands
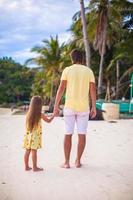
[[47, 118], [93, 112], [52, 116]]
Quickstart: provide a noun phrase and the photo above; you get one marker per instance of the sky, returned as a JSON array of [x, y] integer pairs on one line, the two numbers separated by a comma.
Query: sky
[[25, 23]]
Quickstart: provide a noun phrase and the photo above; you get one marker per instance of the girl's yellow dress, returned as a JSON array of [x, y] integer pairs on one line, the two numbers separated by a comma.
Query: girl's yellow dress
[[33, 140]]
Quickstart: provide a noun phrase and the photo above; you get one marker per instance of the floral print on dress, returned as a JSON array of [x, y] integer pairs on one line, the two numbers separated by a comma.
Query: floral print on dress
[[33, 140]]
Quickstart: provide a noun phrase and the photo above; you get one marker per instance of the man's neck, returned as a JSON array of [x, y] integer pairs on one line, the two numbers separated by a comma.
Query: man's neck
[[77, 63]]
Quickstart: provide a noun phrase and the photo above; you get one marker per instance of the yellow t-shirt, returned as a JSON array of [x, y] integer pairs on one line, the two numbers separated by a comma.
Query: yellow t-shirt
[[78, 78]]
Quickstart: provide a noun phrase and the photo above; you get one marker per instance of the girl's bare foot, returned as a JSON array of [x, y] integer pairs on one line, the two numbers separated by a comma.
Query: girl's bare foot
[[37, 169], [66, 166], [78, 164], [28, 168]]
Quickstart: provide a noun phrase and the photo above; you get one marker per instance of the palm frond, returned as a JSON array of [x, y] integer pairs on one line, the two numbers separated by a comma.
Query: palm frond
[[127, 72]]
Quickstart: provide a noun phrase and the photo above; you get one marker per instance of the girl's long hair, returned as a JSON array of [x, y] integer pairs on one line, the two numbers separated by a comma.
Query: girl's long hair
[[34, 113]]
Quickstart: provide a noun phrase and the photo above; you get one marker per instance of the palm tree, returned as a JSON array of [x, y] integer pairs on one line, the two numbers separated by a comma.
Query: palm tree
[[106, 23], [100, 38], [122, 78], [85, 35], [52, 58], [108, 10]]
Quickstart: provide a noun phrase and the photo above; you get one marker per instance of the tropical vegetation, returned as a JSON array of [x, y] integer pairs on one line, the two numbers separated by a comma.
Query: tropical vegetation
[[109, 30], [15, 81]]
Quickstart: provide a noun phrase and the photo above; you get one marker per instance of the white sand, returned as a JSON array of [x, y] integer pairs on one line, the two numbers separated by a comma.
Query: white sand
[[107, 172], [4, 111]]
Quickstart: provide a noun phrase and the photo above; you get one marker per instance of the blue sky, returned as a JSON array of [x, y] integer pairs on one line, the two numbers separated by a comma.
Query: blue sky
[[25, 23]]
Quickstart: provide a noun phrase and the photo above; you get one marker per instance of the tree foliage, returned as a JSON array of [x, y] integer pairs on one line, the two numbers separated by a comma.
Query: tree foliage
[[15, 81], [18, 82]]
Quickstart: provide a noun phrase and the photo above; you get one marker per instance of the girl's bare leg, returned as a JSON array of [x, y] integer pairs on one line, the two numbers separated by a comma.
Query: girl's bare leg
[[34, 161], [26, 159]]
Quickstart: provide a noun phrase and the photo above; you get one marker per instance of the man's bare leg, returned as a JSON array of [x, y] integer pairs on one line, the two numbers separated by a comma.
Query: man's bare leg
[[80, 149], [34, 160], [26, 159], [67, 150]]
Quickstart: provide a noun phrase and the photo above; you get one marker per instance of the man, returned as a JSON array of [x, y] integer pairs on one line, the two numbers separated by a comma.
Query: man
[[79, 82]]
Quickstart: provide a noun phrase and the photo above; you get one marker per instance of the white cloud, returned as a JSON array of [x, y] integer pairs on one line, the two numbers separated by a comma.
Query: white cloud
[[41, 15], [25, 54], [64, 37], [16, 37], [25, 23], [12, 5]]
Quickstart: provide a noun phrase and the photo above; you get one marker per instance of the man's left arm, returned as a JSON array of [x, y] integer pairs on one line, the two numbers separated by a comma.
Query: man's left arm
[[93, 99]]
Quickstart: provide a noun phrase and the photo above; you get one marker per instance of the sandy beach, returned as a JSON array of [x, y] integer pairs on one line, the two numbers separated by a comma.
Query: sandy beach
[[107, 172]]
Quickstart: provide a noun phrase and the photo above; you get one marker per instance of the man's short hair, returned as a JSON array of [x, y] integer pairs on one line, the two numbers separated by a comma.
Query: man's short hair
[[76, 56]]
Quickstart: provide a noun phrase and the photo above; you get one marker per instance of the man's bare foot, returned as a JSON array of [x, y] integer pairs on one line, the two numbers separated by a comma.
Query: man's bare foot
[[37, 169], [28, 168], [66, 166], [78, 164]]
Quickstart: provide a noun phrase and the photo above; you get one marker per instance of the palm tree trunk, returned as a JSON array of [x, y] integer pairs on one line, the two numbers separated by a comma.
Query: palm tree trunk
[[108, 98], [52, 86], [85, 36], [100, 39], [100, 77], [117, 78]]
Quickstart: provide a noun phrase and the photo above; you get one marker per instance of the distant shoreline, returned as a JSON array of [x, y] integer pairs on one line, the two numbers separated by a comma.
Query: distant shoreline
[[4, 111]]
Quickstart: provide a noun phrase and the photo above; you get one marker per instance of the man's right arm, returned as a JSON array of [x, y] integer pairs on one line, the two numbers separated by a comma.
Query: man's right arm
[[59, 94]]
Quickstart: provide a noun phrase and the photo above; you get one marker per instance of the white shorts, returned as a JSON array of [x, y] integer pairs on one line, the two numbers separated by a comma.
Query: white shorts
[[81, 119]]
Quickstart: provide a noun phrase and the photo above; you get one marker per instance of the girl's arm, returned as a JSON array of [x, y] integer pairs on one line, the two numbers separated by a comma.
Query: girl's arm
[[46, 119]]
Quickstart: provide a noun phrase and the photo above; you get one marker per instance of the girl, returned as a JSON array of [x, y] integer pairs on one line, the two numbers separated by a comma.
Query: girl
[[33, 136]]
